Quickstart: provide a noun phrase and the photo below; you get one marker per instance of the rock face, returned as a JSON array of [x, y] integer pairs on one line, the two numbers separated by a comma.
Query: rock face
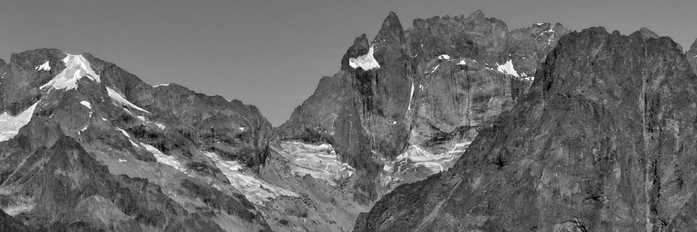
[[406, 104], [692, 56], [602, 142]]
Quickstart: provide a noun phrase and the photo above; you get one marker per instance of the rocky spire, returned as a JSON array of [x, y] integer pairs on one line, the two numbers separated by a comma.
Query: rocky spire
[[391, 30], [390, 42]]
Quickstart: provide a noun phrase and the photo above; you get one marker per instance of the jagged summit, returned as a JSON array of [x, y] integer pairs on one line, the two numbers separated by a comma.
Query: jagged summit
[[391, 30]]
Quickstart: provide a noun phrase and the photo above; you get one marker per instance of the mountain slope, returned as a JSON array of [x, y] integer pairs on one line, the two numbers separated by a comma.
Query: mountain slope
[[88, 146], [601, 143]]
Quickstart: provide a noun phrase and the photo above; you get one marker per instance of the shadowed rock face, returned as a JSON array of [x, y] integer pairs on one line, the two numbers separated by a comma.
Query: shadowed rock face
[[603, 142], [437, 84], [692, 56]]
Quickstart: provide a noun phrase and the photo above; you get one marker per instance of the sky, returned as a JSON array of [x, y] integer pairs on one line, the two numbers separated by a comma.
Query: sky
[[272, 53]]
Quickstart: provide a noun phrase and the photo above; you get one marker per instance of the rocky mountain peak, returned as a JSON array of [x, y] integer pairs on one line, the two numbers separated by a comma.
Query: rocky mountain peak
[[586, 117], [391, 30]]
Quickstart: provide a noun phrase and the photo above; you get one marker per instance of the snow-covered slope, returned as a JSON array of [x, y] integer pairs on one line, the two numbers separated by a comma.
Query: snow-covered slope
[[76, 67], [10, 124], [366, 61]]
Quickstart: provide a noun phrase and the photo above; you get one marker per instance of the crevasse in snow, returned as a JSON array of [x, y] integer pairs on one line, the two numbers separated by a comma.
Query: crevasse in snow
[[366, 62], [10, 125], [76, 67]]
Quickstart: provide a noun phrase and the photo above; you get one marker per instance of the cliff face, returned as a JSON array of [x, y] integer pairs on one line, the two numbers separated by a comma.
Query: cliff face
[[603, 142], [692, 56], [406, 104]]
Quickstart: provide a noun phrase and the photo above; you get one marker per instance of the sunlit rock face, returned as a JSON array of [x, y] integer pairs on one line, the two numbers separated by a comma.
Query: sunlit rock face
[[602, 142]]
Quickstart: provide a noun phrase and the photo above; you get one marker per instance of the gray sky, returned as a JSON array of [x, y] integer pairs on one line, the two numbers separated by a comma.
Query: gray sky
[[271, 53]]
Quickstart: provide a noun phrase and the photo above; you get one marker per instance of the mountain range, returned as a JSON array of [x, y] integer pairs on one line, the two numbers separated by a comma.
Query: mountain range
[[451, 124]]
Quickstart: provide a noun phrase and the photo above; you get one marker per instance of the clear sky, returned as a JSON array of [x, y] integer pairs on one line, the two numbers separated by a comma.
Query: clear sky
[[271, 53]]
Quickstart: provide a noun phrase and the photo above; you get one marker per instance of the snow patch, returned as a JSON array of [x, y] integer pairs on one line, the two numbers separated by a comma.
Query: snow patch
[[507, 68], [76, 67], [43, 67], [256, 190], [319, 161], [86, 104], [125, 133], [526, 77], [411, 95], [10, 125], [160, 85], [164, 159], [366, 62], [160, 125], [123, 101], [14, 210], [416, 156], [157, 124]]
